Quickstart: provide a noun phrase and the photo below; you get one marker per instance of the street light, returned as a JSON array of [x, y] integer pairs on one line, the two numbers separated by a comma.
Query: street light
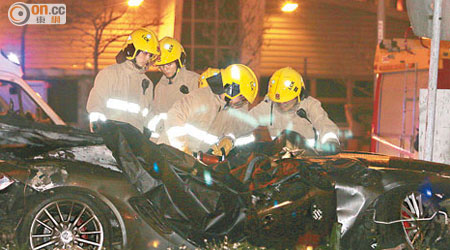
[[289, 7], [134, 3]]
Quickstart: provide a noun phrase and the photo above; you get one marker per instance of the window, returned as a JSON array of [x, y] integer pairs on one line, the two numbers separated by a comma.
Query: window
[[399, 5], [336, 112], [330, 88], [210, 33], [335, 94], [363, 89], [15, 99]]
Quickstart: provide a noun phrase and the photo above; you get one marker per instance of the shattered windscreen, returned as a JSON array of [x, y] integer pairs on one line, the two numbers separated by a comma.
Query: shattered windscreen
[[14, 99], [21, 136]]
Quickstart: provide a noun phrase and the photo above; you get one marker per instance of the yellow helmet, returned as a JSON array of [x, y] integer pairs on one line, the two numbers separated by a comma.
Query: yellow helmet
[[141, 40], [171, 51], [285, 85], [202, 80], [238, 79]]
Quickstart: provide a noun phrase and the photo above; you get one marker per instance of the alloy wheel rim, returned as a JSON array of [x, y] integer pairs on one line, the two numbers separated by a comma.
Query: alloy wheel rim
[[66, 224], [413, 208]]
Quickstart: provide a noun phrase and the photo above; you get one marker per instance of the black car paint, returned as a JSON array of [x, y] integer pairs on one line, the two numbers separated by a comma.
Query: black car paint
[[154, 207]]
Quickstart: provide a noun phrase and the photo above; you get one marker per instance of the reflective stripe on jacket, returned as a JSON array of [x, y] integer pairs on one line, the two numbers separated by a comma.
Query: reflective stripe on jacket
[[167, 94], [197, 121], [277, 120], [123, 93]]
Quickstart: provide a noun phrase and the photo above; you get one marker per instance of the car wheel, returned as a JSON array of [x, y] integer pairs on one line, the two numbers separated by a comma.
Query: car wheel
[[423, 225], [66, 221], [407, 218]]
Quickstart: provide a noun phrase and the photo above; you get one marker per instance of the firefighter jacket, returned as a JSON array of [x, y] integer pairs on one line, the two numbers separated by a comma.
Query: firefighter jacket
[[306, 116], [167, 93], [198, 121], [123, 93]]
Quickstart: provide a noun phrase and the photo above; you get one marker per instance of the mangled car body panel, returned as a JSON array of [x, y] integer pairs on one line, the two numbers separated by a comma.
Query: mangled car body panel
[[49, 160], [157, 196], [344, 188]]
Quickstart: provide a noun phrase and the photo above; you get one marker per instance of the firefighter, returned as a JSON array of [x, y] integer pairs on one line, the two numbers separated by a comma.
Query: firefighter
[[201, 119], [175, 83], [290, 108], [122, 91]]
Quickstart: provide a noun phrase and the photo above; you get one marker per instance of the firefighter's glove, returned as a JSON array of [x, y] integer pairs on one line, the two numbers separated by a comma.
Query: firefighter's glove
[[223, 147]]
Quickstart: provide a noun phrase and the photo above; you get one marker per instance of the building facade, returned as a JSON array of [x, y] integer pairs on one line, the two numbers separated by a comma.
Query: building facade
[[63, 55], [330, 42]]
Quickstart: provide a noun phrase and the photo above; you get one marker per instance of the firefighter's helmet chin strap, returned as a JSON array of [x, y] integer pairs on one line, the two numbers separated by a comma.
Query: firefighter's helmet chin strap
[[227, 104], [135, 64], [176, 72], [174, 75], [271, 113], [134, 60], [303, 94], [140, 67]]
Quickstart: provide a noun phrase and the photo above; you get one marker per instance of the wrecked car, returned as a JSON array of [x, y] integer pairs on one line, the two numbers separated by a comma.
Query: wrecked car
[[16, 95], [66, 188], [62, 189]]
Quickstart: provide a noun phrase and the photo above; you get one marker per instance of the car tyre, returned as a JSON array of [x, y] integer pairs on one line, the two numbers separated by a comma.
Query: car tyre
[[66, 220], [412, 233]]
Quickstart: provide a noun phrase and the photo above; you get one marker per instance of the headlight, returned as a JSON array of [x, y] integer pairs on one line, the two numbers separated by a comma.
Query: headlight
[[13, 58], [5, 181]]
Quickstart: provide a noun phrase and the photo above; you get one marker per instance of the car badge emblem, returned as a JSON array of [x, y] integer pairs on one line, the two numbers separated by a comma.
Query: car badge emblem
[[317, 213]]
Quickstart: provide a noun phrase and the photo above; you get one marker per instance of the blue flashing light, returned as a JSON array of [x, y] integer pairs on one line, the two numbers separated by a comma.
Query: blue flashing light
[[275, 203], [155, 167], [294, 214], [426, 190]]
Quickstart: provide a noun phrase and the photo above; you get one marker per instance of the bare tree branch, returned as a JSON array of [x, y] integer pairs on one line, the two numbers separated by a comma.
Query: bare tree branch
[[98, 16], [84, 31], [109, 41]]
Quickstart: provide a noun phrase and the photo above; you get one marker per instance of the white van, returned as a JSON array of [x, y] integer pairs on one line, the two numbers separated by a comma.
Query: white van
[[16, 95]]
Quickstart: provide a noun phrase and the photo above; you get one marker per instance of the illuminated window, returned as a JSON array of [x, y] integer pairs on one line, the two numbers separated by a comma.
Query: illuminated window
[[400, 5]]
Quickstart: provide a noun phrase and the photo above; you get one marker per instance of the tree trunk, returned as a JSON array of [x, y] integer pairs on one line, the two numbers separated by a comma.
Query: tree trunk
[[96, 55], [95, 63]]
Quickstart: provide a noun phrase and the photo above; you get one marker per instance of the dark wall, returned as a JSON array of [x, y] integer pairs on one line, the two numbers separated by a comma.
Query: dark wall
[[63, 98]]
